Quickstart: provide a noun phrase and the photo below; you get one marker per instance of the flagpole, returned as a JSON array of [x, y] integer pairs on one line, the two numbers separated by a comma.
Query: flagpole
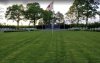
[[50, 8], [53, 18], [52, 25]]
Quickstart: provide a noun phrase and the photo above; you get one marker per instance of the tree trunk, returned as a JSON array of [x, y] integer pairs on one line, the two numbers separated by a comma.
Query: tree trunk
[[64, 24], [29, 23], [86, 21], [99, 18], [18, 25], [77, 18], [34, 20], [34, 23], [42, 26], [77, 21]]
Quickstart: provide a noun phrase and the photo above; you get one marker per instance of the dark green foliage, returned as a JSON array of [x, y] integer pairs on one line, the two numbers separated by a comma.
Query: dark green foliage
[[33, 12], [84, 8], [94, 25], [15, 12], [47, 16]]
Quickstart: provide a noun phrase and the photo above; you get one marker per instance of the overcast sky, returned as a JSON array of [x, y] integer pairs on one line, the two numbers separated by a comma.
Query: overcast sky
[[61, 6]]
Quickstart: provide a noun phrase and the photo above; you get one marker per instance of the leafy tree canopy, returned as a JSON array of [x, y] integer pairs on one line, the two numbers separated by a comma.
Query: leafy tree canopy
[[15, 12]]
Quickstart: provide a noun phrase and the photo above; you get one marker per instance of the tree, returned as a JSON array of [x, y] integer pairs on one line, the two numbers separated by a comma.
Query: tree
[[75, 11], [33, 12], [47, 16], [15, 12], [59, 16], [89, 9], [60, 19], [84, 8], [99, 15], [71, 17]]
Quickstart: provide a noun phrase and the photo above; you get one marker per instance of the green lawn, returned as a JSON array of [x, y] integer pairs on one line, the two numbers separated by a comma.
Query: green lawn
[[45, 47]]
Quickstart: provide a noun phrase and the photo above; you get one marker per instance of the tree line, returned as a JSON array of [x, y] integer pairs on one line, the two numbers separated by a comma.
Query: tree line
[[31, 12], [83, 10], [80, 9]]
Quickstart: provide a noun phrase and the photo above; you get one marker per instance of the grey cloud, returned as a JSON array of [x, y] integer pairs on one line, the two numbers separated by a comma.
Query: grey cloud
[[5, 1]]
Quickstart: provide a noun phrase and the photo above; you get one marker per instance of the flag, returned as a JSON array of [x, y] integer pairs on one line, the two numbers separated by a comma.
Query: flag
[[50, 7]]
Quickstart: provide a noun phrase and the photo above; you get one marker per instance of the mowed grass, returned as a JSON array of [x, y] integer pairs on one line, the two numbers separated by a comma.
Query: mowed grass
[[45, 47]]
